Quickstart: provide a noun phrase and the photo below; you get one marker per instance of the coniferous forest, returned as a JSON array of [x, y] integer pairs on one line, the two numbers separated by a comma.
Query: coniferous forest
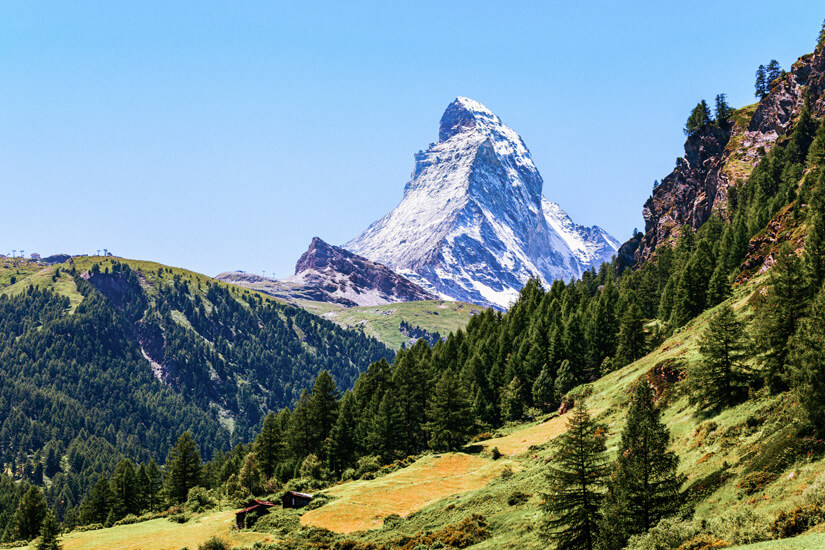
[[159, 392]]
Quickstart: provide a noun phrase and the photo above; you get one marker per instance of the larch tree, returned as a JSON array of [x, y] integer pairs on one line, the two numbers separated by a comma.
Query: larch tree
[[644, 486], [183, 468], [576, 478], [721, 373]]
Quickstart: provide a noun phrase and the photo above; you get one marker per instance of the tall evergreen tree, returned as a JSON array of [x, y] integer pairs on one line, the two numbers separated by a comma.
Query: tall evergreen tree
[[761, 83], [323, 408], [808, 360], [699, 117], [644, 486], [342, 448], [631, 336], [49, 531], [385, 439], [448, 414], [183, 467], [777, 316], [722, 110], [269, 446], [30, 514], [814, 256], [772, 72], [543, 392], [716, 380], [124, 490], [576, 480]]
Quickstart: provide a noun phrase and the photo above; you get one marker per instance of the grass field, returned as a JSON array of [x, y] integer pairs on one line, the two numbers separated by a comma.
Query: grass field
[[363, 504], [383, 321], [162, 534], [520, 440]]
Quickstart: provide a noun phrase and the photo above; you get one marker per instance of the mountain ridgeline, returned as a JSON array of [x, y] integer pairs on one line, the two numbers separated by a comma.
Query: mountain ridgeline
[[473, 224]]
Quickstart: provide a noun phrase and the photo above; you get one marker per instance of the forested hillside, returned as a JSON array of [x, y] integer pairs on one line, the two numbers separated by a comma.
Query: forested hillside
[[103, 361]]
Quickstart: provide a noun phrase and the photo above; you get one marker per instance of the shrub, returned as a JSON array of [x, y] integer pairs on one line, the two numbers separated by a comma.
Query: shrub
[[495, 454], [517, 497], [317, 501], [740, 525], [755, 481], [182, 517], [199, 500], [667, 534], [788, 524], [367, 465], [469, 531], [214, 543], [278, 522], [392, 521], [89, 527], [703, 542], [128, 520], [348, 474]]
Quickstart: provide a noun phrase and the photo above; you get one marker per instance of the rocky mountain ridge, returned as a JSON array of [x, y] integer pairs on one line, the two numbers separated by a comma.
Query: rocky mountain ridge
[[473, 224], [717, 158], [327, 273]]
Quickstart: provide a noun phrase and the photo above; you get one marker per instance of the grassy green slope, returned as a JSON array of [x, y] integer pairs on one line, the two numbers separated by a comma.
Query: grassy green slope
[[383, 322]]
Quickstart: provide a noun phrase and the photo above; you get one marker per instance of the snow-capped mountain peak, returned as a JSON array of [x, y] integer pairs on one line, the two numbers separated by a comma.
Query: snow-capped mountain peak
[[472, 224]]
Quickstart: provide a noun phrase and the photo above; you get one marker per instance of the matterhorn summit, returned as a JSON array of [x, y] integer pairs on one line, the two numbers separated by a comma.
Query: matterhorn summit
[[473, 224]]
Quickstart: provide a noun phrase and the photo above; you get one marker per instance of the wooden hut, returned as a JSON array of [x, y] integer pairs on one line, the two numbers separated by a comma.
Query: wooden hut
[[294, 499], [250, 514]]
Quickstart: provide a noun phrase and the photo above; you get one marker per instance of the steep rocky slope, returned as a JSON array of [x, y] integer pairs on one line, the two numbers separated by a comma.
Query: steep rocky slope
[[717, 158], [327, 273]]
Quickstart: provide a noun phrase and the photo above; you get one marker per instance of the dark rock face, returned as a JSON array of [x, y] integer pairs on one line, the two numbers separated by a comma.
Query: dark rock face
[[335, 274], [687, 195], [715, 158]]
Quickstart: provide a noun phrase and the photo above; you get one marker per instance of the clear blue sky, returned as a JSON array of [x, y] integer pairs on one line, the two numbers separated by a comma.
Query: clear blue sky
[[218, 136]]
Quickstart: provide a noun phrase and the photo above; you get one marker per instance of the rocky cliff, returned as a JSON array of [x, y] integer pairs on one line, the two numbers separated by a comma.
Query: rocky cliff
[[720, 156]]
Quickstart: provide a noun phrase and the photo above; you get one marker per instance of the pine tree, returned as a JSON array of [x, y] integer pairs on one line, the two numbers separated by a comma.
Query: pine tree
[[449, 419], [565, 381], [576, 478], [385, 438], [300, 436], [49, 531], [269, 446], [323, 408], [249, 476], [183, 467], [95, 507], [778, 315], [124, 490], [814, 256], [716, 380], [808, 360], [30, 514], [698, 119], [761, 83], [512, 403], [816, 152], [644, 486], [544, 395], [410, 382], [342, 448], [631, 336], [718, 286], [722, 110], [772, 72]]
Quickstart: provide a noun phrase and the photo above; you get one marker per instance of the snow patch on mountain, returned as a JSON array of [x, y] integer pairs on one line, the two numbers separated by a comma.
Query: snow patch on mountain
[[473, 224]]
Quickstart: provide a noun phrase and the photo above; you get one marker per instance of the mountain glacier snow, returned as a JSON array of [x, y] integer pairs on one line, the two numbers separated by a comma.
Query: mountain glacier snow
[[473, 224]]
